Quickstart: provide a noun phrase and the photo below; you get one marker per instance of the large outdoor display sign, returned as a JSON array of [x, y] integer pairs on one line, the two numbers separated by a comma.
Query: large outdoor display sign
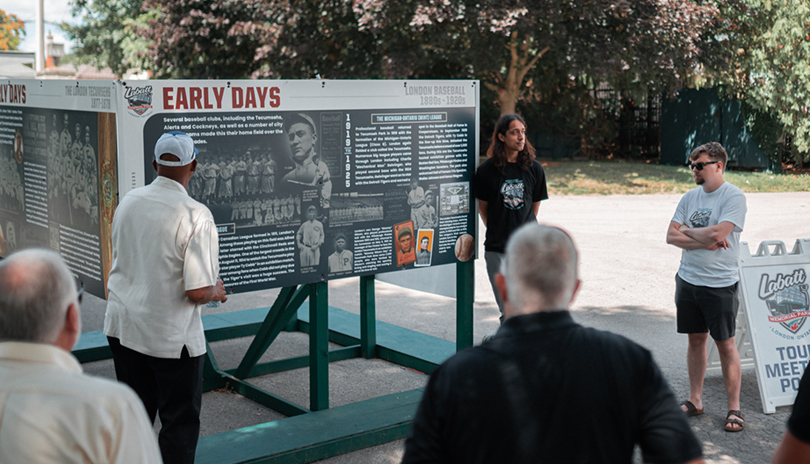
[[307, 180], [58, 172], [777, 308]]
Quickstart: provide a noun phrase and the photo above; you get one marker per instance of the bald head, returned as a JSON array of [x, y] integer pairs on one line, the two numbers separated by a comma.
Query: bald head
[[36, 289], [539, 270]]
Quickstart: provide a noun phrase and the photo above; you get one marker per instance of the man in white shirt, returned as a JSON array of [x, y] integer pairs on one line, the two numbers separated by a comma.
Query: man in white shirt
[[49, 410], [165, 267], [707, 226], [310, 238]]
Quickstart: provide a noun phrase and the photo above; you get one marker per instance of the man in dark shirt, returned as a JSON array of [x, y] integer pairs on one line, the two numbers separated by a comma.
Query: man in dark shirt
[[546, 389]]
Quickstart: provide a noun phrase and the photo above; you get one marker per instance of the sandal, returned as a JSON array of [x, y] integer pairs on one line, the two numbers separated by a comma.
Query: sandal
[[691, 410], [729, 421]]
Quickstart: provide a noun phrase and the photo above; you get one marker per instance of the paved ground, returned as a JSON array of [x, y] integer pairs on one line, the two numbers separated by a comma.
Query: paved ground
[[628, 284]]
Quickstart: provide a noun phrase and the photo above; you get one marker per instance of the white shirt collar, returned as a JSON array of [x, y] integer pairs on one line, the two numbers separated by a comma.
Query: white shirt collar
[[165, 182], [39, 353]]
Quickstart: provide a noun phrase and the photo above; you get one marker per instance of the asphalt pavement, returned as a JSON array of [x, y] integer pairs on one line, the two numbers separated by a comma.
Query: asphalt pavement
[[628, 273]]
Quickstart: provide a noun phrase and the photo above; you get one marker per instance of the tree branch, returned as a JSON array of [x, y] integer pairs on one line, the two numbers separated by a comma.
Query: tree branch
[[531, 64]]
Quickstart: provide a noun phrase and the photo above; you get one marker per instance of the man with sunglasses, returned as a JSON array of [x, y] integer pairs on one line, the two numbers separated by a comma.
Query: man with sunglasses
[[165, 267], [707, 226], [49, 410]]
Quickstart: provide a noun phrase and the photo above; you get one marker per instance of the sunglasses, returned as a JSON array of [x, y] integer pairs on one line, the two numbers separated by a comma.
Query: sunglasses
[[701, 165]]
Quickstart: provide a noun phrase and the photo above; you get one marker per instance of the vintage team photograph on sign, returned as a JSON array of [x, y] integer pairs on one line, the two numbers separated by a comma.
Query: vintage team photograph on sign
[[58, 174]]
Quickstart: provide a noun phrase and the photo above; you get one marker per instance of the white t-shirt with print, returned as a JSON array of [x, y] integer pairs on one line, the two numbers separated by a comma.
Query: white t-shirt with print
[[712, 268]]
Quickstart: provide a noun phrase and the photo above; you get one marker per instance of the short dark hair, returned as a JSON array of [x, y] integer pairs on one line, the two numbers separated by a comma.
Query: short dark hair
[[713, 150]]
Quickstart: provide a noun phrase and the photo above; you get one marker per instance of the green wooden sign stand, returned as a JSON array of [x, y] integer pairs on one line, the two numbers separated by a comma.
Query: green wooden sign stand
[[318, 431]]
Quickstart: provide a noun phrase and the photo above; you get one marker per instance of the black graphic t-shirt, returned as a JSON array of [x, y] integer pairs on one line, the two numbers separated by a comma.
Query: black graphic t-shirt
[[509, 196]]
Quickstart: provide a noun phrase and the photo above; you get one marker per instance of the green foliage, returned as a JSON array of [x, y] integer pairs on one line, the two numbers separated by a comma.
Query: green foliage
[[763, 57], [539, 58], [11, 31], [106, 38], [322, 38], [544, 58], [627, 178], [197, 39], [765, 129], [638, 44], [641, 44]]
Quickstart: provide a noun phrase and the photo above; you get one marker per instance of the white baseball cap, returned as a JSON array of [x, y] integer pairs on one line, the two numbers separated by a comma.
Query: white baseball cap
[[178, 144]]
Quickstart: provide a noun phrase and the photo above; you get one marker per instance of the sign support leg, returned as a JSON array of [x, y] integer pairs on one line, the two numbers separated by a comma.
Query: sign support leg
[[465, 295], [368, 318], [319, 346], [267, 332]]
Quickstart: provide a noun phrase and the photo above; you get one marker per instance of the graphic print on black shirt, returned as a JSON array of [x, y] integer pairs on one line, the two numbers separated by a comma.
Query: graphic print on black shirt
[[512, 191], [510, 194]]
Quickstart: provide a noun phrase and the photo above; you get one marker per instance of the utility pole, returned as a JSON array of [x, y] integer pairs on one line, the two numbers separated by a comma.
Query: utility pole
[[40, 52]]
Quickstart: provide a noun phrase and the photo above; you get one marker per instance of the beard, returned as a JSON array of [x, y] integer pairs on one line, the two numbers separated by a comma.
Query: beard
[[699, 180]]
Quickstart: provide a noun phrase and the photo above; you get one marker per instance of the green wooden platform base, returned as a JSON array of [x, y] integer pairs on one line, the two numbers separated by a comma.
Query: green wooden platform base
[[309, 437], [317, 431], [396, 344]]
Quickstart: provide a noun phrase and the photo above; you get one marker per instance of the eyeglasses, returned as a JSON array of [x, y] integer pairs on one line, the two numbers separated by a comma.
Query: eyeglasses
[[701, 165], [79, 291]]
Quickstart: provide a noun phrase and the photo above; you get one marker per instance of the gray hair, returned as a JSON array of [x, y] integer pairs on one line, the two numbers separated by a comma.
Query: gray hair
[[540, 268], [36, 288]]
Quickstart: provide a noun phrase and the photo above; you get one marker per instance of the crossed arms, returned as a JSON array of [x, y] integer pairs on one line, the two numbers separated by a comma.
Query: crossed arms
[[708, 238]]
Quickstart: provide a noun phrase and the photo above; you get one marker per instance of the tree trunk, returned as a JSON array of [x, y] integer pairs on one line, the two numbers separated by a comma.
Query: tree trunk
[[507, 99], [521, 61]]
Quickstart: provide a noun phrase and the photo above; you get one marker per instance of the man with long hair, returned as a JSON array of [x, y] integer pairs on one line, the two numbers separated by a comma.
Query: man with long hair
[[509, 187]]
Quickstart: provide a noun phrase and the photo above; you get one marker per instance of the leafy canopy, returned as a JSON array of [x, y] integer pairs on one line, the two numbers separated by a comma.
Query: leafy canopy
[[763, 50], [107, 35], [11, 31]]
